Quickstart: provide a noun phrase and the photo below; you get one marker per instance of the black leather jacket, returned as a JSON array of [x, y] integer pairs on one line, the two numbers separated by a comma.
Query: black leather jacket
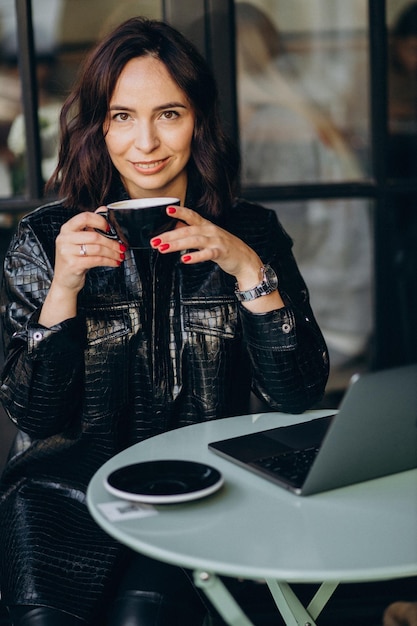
[[156, 345]]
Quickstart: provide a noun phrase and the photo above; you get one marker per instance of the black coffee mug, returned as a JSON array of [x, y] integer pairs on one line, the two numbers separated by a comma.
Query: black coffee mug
[[135, 222]]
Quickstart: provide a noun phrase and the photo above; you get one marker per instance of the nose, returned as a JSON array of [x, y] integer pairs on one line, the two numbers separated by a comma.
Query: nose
[[146, 137]]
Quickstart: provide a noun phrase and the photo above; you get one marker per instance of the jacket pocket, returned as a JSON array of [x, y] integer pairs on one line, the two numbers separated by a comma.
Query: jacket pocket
[[213, 352], [106, 360], [107, 325], [215, 318]]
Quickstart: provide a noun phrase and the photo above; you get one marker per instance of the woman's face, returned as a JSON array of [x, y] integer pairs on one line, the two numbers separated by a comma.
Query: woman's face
[[148, 130]]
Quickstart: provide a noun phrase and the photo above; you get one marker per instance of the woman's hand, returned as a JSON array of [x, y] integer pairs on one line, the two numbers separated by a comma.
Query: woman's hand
[[78, 248], [209, 242]]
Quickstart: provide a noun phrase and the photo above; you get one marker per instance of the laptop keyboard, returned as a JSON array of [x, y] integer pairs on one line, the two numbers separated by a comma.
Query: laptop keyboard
[[293, 465]]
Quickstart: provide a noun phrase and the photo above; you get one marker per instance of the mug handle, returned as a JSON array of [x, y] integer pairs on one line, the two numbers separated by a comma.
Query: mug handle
[[111, 234]]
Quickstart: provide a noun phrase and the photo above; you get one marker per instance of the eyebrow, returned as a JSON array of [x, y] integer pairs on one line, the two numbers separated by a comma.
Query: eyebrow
[[161, 107]]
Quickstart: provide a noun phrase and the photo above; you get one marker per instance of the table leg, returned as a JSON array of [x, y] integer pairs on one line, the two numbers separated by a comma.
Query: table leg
[[320, 599], [290, 607], [221, 598]]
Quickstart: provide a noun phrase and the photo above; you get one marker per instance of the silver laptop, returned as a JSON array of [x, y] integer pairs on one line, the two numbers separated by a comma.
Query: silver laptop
[[373, 434]]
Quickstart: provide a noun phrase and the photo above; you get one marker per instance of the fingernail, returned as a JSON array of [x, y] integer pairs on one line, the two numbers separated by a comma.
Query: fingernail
[[108, 228], [171, 209], [164, 247], [122, 256], [122, 247], [186, 258], [155, 242]]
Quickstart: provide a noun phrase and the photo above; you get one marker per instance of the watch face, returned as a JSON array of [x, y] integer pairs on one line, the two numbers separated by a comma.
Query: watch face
[[271, 277]]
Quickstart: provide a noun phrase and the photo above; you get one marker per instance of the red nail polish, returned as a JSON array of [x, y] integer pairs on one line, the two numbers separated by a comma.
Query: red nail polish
[[186, 258], [156, 242], [108, 228], [171, 209], [165, 246], [122, 256], [122, 247]]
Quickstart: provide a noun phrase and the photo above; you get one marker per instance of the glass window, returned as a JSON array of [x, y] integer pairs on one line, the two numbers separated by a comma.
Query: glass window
[[303, 98], [63, 30], [303, 90], [402, 89], [10, 99]]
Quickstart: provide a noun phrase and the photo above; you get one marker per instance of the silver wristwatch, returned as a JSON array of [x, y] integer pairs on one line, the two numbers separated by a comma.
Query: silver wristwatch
[[268, 284]]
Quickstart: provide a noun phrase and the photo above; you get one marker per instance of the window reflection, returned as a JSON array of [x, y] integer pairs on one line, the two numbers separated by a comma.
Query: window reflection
[[303, 117], [10, 93], [303, 106], [63, 31], [402, 166], [402, 90]]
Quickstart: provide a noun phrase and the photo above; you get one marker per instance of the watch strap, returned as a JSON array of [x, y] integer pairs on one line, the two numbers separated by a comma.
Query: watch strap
[[264, 288]]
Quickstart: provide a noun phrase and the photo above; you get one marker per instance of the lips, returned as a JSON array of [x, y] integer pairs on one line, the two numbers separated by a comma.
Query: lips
[[150, 167]]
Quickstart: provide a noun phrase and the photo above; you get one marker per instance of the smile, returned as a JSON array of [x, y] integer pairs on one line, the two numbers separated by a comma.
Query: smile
[[150, 165]]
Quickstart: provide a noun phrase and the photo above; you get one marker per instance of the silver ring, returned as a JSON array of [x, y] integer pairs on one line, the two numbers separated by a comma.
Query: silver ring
[[83, 250]]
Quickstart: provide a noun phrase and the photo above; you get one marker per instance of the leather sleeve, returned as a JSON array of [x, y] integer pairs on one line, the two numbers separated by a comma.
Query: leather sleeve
[[290, 363], [289, 359], [44, 366]]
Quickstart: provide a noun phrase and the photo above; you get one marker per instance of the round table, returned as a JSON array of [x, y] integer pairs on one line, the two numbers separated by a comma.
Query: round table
[[252, 528]]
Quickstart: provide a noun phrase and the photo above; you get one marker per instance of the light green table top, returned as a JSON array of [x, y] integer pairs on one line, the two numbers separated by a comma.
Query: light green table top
[[254, 529]]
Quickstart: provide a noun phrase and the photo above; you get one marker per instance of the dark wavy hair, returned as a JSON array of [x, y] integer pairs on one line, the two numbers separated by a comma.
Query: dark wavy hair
[[85, 175]]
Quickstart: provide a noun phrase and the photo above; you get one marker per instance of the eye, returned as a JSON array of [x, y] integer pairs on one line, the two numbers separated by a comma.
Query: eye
[[121, 117], [170, 115]]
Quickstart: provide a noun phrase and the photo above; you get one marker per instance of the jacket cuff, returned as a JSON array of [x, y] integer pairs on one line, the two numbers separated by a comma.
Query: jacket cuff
[[67, 337], [274, 330]]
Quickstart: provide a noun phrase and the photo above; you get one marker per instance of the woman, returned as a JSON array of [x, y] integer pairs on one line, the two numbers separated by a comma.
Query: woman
[[106, 348]]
